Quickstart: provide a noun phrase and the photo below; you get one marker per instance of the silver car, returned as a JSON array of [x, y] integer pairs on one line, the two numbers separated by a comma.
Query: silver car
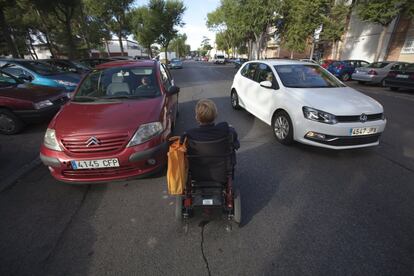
[[376, 72]]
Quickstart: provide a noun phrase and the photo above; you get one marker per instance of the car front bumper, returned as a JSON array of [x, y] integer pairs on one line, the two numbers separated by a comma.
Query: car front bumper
[[134, 162], [338, 136]]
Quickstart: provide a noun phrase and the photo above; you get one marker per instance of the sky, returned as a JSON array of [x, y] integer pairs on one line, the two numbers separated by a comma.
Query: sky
[[195, 18]]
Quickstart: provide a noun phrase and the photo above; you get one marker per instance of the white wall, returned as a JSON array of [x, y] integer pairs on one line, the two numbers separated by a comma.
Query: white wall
[[361, 39]]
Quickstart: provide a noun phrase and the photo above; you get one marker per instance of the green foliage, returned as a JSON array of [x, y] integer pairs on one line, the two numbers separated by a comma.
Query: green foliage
[[144, 26], [383, 12], [334, 23], [178, 44]]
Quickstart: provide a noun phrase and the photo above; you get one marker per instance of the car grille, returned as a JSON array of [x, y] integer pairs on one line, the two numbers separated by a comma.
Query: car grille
[[107, 143], [355, 118], [107, 172]]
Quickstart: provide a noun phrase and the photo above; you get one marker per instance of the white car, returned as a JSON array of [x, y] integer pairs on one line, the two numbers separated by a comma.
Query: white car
[[306, 103]]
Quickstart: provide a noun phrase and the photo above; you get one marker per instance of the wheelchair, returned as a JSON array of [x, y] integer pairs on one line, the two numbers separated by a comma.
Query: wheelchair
[[210, 181]]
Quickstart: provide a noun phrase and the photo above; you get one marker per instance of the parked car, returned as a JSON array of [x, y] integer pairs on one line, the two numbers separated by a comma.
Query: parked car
[[93, 62], [305, 103], [219, 59], [345, 68], [239, 62], [402, 76], [40, 73], [116, 126], [22, 103], [204, 59], [176, 63], [375, 72], [326, 62], [68, 65]]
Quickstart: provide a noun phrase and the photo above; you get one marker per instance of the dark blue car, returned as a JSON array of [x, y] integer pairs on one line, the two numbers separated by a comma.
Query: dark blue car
[[344, 69], [40, 73]]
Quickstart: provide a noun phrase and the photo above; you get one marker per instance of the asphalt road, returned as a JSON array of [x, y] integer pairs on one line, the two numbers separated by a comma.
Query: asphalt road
[[306, 211]]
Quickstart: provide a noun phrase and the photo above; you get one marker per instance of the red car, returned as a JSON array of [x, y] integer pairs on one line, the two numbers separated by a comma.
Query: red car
[[22, 103], [326, 62], [116, 126]]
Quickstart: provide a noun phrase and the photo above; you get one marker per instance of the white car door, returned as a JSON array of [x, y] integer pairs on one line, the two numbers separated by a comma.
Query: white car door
[[246, 85], [263, 99]]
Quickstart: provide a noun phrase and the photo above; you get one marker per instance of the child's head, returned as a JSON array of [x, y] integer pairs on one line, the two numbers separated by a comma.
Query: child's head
[[206, 111]]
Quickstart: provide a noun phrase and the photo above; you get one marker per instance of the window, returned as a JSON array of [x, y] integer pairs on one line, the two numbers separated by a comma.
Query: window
[[264, 73], [249, 70], [408, 47], [165, 77], [118, 83], [399, 66], [306, 76], [14, 70], [6, 80], [363, 63], [378, 64]]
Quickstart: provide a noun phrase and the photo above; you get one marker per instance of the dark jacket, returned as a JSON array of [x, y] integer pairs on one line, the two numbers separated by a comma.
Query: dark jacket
[[212, 132]]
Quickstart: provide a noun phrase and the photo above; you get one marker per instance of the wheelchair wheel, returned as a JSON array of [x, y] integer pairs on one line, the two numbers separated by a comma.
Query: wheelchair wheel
[[237, 207], [179, 208]]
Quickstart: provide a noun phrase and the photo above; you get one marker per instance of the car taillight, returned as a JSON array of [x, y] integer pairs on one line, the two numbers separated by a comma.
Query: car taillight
[[391, 75], [372, 72]]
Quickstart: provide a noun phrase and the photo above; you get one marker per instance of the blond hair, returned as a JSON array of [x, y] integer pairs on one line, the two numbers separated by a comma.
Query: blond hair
[[206, 111]]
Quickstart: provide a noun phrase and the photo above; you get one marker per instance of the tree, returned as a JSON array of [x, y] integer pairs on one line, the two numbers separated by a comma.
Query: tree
[[383, 12], [334, 24], [113, 14], [300, 19], [179, 46], [144, 26], [170, 15]]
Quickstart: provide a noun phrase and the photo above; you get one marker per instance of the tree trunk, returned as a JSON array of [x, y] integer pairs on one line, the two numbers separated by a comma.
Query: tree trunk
[[31, 47], [8, 35], [249, 49], [312, 50], [166, 51], [107, 47], [71, 44], [120, 43], [149, 51], [291, 54], [380, 43]]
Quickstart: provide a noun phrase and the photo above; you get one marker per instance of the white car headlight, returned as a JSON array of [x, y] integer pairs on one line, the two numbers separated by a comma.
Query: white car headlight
[[66, 83], [318, 115], [145, 132], [42, 104], [50, 140]]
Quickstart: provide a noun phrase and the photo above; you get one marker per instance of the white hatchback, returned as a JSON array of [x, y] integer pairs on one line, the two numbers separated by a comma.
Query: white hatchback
[[306, 103]]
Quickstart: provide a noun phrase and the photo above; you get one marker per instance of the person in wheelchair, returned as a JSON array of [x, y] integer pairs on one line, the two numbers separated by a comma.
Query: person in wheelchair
[[211, 161], [206, 114]]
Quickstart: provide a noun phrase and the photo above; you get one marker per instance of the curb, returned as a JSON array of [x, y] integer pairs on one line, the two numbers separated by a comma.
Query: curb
[[22, 171]]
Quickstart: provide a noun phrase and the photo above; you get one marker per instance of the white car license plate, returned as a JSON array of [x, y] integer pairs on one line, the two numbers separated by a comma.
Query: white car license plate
[[363, 131], [95, 164], [402, 76]]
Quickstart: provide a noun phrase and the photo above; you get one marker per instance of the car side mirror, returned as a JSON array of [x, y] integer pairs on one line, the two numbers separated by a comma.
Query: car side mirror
[[25, 78], [173, 90], [266, 84]]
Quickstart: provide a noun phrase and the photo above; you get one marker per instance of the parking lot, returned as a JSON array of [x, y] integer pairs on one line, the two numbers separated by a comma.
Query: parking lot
[[306, 210]]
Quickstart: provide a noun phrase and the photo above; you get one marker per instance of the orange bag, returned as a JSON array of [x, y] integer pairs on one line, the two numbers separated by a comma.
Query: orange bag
[[177, 166]]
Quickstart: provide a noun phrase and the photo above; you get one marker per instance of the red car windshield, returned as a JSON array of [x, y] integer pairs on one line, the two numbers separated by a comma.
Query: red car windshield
[[118, 83]]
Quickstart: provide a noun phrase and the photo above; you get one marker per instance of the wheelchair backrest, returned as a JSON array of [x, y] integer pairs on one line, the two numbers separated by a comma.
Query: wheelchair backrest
[[210, 160]]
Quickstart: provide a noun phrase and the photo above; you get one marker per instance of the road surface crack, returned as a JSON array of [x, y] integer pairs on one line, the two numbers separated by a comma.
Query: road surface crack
[[65, 229], [202, 224]]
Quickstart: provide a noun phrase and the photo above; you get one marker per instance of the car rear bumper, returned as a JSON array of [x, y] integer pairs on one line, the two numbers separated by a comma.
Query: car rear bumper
[[338, 136], [407, 84], [134, 162], [366, 78]]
